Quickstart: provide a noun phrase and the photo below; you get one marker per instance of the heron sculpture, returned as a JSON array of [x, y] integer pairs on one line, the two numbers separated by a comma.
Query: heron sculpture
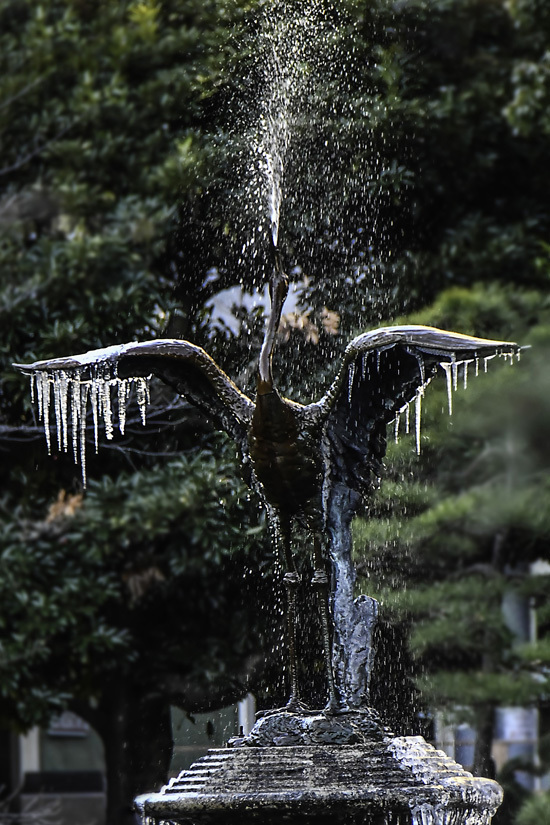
[[312, 463]]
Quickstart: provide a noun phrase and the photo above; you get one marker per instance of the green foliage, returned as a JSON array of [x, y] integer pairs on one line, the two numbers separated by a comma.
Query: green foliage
[[449, 542], [535, 811], [92, 588]]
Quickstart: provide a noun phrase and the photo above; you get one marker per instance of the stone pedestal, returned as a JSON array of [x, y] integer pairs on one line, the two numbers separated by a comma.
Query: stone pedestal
[[303, 776]]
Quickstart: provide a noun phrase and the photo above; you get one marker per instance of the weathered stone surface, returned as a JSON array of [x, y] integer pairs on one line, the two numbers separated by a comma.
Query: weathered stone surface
[[285, 729], [393, 780]]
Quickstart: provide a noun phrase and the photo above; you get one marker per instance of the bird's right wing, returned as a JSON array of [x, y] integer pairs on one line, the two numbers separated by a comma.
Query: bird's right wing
[[89, 377], [382, 373]]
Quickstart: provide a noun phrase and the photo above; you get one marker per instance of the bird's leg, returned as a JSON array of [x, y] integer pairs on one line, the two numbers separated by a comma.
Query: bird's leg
[[281, 533], [320, 584], [291, 581]]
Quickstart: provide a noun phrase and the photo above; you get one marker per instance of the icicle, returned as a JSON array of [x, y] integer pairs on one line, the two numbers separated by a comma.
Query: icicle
[[122, 396], [83, 408], [448, 367], [397, 417], [518, 356], [378, 360], [75, 413], [46, 408], [418, 415], [477, 365], [141, 391], [63, 403], [422, 369], [466, 365], [32, 377], [39, 394], [363, 366], [107, 411], [351, 378], [57, 408], [454, 370], [408, 418], [94, 397]]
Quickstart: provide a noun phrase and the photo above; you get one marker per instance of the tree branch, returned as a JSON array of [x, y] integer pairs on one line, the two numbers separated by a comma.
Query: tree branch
[[26, 158]]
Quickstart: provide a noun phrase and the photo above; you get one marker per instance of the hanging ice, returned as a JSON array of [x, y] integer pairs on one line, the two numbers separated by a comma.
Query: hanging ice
[[84, 391], [75, 414], [45, 392], [57, 407], [94, 395], [447, 367], [142, 397], [454, 371], [107, 411], [418, 416], [63, 401], [71, 394], [122, 396]]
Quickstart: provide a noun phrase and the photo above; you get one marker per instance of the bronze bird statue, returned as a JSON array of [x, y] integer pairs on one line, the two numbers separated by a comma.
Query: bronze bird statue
[[312, 463]]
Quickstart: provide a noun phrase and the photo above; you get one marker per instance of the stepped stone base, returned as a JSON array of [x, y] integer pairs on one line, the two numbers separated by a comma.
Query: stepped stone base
[[377, 780]]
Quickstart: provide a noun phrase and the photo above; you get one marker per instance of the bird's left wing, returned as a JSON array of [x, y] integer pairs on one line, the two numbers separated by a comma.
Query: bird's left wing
[[382, 373], [79, 380]]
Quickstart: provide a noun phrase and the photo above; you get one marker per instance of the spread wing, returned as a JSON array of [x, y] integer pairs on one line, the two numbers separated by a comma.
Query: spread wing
[[382, 373], [89, 378]]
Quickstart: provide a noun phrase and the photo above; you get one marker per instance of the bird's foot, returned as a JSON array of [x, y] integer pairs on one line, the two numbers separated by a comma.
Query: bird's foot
[[333, 707], [293, 705]]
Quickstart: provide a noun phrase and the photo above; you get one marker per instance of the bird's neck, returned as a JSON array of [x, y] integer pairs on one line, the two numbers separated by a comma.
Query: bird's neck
[[278, 291]]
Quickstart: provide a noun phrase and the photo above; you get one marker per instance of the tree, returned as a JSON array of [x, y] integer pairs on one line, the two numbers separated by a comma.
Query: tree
[[452, 546], [100, 614]]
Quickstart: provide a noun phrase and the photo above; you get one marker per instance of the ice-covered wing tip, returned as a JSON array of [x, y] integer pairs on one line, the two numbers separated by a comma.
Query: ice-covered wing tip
[[71, 383], [74, 363], [430, 338]]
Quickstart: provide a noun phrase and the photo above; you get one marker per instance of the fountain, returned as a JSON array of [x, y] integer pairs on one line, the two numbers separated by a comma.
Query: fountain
[[313, 465]]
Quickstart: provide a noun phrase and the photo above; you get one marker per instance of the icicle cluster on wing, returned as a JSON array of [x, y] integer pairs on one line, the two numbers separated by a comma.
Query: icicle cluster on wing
[[384, 372]]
